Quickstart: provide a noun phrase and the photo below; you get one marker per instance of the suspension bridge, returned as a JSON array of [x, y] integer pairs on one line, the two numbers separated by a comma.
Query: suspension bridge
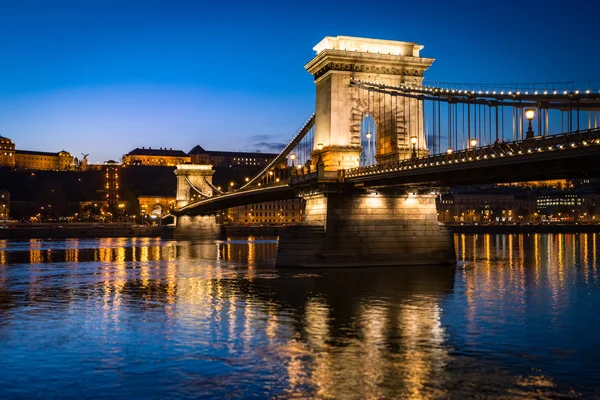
[[382, 140]]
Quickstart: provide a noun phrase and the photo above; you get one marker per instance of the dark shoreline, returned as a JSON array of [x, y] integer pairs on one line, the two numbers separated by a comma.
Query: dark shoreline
[[80, 230], [57, 231]]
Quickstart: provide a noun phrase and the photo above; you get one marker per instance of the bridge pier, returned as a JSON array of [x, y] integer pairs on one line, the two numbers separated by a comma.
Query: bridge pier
[[197, 226], [367, 229]]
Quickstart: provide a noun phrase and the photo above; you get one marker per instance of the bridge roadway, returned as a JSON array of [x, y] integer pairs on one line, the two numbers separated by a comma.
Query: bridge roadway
[[571, 155]]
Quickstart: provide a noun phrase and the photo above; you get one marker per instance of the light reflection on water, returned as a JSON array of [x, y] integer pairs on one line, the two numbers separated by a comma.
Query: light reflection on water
[[151, 318]]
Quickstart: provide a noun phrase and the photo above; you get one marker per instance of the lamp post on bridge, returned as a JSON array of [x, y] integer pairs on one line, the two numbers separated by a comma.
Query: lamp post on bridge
[[473, 145], [368, 155], [293, 169], [529, 114], [413, 141]]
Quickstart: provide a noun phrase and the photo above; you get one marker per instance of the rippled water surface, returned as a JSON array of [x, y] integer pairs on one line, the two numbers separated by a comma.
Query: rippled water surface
[[151, 318]]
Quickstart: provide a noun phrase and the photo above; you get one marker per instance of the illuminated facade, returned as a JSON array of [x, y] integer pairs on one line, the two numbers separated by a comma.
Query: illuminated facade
[[28, 159], [4, 204], [230, 158], [7, 152], [111, 185], [156, 157], [568, 205], [485, 206], [155, 206], [273, 212], [41, 160]]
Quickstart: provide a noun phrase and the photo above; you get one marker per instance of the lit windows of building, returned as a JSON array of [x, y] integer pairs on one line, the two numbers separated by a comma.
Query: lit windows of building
[[7, 152], [152, 208], [111, 186], [4, 204], [273, 213], [230, 158], [29, 159], [156, 157]]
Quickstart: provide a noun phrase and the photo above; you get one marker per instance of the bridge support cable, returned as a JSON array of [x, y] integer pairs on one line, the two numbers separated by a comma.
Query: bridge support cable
[[453, 119], [205, 196], [213, 187], [296, 140]]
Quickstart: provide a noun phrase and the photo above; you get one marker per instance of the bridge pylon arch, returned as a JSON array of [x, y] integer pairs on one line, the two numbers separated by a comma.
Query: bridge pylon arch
[[340, 106]]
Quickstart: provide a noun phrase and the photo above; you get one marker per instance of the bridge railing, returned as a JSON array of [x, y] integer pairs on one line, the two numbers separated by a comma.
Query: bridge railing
[[506, 149]]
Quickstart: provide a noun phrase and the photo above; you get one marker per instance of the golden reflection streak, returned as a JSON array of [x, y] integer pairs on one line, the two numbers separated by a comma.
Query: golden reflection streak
[[536, 256], [35, 254], [594, 260], [119, 278], [419, 323], [510, 259], [251, 258], [374, 321], [144, 258], [521, 269], [2, 263], [249, 322], [272, 323], [488, 254], [72, 252], [475, 247], [561, 259], [463, 243], [316, 328], [584, 257]]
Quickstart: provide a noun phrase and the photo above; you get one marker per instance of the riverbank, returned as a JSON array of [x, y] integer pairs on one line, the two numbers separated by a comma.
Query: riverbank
[[80, 230]]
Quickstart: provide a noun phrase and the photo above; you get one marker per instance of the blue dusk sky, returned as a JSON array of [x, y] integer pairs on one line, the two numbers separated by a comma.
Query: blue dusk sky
[[106, 76]]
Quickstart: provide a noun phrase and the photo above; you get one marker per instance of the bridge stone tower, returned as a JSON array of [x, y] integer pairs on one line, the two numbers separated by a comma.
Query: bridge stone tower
[[340, 107], [198, 176], [347, 225]]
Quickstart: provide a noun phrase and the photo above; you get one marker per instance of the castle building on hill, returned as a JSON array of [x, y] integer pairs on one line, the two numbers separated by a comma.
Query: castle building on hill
[[29, 159], [156, 157], [170, 158]]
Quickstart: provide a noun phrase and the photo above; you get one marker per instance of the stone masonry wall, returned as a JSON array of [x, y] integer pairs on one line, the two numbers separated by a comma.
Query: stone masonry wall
[[368, 230]]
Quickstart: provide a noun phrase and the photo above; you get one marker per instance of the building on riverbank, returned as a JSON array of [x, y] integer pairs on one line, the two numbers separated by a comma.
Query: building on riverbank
[[4, 204], [486, 205], [273, 212]]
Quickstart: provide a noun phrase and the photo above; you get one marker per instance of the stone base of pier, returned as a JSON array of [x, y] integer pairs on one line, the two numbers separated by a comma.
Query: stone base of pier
[[362, 230], [197, 226]]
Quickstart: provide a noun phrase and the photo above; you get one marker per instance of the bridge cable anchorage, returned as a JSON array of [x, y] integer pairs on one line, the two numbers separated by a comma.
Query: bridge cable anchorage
[[195, 188], [213, 187], [284, 153]]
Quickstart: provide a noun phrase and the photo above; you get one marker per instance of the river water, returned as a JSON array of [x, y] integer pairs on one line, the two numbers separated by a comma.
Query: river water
[[150, 318]]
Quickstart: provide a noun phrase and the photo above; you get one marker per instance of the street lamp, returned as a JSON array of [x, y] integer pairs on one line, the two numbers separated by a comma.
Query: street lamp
[[529, 114], [292, 157], [368, 155], [413, 141], [449, 151], [319, 146], [473, 143]]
